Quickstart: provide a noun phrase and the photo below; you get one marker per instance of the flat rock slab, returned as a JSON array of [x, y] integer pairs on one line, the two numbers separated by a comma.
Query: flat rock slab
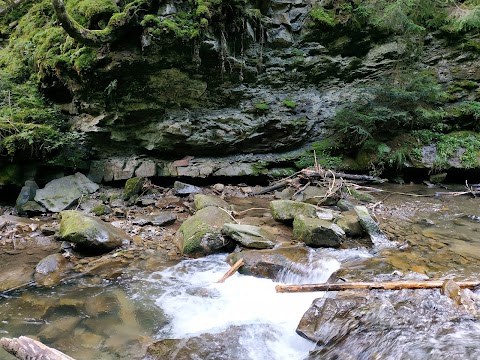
[[249, 235], [61, 194], [185, 189], [201, 201], [162, 219]]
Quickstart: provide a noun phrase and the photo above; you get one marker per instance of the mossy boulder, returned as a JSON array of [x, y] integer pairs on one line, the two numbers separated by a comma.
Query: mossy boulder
[[287, 210], [202, 201], [133, 187], [89, 233], [249, 236], [201, 234], [317, 232]]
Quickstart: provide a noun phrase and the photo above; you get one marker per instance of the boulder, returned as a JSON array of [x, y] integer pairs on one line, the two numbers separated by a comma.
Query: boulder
[[27, 194], [316, 195], [49, 270], [270, 263], [201, 233], [287, 210], [317, 232], [249, 236], [350, 224], [90, 233], [60, 194], [201, 201], [133, 187], [328, 319]]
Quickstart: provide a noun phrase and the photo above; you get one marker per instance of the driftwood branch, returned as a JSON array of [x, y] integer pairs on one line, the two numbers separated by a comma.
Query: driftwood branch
[[231, 271], [385, 285], [116, 26], [345, 176], [24, 348]]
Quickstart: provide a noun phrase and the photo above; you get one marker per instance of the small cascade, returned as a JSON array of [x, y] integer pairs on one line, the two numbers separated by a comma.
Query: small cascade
[[195, 304]]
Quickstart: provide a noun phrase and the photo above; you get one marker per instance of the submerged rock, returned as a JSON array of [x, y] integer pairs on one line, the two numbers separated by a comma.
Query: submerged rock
[[90, 233], [249, 236], [201, 233], [226, 345], [60, 194], [287, 210], [317, 232]]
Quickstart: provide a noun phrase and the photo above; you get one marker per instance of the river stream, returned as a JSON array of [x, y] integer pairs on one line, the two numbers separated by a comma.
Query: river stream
[[438, 237]]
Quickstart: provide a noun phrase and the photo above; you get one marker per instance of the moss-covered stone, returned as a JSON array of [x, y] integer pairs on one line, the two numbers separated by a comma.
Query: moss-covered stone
[[317, 232], [101, 209], [202, 201], [350, 224], [287, 210], [90, 233], [132, 187], [201, 233], [249, 236]]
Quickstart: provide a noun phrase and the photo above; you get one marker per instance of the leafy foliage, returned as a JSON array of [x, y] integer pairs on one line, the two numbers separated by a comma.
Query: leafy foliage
[[406, 102]]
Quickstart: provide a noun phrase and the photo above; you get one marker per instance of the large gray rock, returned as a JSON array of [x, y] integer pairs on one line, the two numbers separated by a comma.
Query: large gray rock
[[61, 194], [27, 193], [350, 224], [201, 233], [90, 233], [287, 210], [249, 236], [317, 232]]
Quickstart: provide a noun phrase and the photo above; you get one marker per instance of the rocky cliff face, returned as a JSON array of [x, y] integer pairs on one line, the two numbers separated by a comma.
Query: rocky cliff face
[[247, 97]]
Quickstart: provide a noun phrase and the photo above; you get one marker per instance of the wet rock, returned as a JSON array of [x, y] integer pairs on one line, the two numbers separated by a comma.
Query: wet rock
[[58, 328], [60, 194], [101, 303], [328, 319], [360, 195], [90, 233], [49, 270], [316, 195], [350, 224], [345, 205], [379, 239], [438, 178], [27, 194], [185, 189], [133, 187], [101, 209], [287, 210], [32, 208], [249, 236], [162, 219], [269, 263], [317, 232], [201, 233], [226, 345], [462, 297], [201, 201]]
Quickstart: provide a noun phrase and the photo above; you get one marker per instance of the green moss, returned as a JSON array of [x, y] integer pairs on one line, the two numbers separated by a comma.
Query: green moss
[[262, 107], [324, 153], [289, 103], [449, 145], [322, 16]]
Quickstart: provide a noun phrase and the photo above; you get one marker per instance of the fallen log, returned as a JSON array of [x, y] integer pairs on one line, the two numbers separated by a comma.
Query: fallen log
[[231, 271], [345, 176], [24, 348], [384, 285]]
